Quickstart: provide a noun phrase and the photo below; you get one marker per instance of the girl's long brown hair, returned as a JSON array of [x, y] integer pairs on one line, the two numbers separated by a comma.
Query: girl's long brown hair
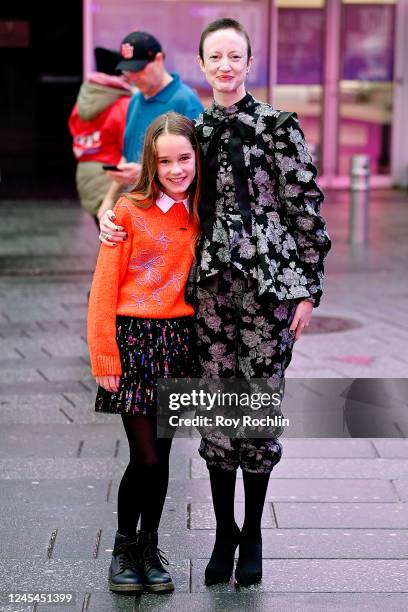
[[147, 189]]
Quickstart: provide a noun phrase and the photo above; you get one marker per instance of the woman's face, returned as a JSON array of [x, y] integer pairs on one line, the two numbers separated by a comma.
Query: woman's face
[[225, 63], [176, 165]]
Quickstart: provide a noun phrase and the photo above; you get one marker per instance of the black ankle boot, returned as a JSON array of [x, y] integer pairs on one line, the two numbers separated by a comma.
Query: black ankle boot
[[221, 564], [249, 566], [155, 577], [124, 571]]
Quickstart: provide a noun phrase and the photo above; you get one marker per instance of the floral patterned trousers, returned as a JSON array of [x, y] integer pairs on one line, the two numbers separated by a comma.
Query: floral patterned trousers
[[241, 335]]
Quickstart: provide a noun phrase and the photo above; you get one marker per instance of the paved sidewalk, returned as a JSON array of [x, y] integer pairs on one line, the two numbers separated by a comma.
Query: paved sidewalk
[[336, 519]]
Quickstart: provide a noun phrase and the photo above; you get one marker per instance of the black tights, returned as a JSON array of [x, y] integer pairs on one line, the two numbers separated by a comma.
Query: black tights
[[223, 494], [143, 487]]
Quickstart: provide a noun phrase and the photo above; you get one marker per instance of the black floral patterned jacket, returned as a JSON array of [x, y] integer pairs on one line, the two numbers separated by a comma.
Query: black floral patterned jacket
[[260, 206]]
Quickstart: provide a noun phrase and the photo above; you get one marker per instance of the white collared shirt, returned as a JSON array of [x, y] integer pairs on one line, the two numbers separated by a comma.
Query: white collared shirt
[[165, 202]]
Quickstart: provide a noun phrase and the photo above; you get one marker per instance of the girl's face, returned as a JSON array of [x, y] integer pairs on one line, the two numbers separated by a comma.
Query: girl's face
[[225, 62], [176, 165]]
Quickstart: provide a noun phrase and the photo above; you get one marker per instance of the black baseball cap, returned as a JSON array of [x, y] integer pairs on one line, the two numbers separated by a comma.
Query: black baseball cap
[[138, 49]]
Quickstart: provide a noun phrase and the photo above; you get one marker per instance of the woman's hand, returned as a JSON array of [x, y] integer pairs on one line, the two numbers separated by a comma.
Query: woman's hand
[[107, 204], [302, 318], [110, 233], [110, 383]]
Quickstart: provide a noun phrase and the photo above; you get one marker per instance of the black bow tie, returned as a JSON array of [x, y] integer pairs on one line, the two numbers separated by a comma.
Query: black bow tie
[[240, 134]]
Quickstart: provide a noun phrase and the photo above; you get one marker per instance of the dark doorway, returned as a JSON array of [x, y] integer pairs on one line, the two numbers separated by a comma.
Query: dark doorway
[[41, 71]]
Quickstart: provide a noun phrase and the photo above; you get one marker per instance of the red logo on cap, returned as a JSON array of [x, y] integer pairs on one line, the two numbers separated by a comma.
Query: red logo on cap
[[126, 50]]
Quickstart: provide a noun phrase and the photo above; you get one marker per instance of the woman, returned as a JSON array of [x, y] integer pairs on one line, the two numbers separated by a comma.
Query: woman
[[259, 273]]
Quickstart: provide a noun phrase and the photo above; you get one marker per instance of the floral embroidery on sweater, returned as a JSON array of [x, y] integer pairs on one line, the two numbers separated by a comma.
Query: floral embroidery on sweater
[[142, 300]]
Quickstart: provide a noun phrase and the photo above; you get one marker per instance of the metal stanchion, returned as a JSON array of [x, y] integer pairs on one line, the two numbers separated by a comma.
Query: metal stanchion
[[360, 186]]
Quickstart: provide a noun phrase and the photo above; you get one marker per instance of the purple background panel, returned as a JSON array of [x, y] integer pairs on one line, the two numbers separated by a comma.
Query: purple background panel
[[300, 46], [178, 26], [367, 42]]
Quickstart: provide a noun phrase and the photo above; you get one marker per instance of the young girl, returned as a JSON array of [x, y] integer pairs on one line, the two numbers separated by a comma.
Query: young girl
[[140, 328]]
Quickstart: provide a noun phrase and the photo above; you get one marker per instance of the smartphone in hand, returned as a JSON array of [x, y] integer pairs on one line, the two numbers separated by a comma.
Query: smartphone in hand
[[111, 167]]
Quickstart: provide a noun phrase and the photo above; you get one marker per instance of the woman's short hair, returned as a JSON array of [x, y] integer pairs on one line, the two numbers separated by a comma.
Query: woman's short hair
[[223, 24]]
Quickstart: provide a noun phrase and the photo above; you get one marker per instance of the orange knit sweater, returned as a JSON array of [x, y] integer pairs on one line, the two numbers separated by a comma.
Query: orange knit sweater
[[144, 276]]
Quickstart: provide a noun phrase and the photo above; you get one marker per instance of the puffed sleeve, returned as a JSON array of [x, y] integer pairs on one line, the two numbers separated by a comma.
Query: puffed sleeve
[[301, 198]]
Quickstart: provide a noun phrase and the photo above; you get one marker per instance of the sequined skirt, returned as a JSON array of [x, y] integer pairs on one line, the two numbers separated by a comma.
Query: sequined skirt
[[149, 349]]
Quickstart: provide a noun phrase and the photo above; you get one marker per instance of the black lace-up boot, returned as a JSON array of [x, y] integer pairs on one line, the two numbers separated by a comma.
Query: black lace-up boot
[[155, 577], [124, 572]]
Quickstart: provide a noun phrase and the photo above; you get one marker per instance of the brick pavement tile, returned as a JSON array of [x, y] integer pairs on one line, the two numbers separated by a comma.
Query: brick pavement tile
[[21, 608], [34, 409], [202, 515], [330, 490], [350, 515], [41, 362], [22, 543], [76, 543], [291, 489], [109, 602], [54, 491], [42, 263], [392, 448], [45, 543], [337, 543], [55, 373], [384, 366], [65, 467], [17, 442], [70, 575], [88, 514], [321, 575], [289, 543], [86, 414], [401, 487], [81, 409], [328, 468], [301, 372], [42, 388], [84, 399], [315, 447], [343, 468], [22, 348], [57, 345], [41, 290], [288, 489], [55, 515], [249, 601], [66, 347], [12, 376], [16, 311]]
